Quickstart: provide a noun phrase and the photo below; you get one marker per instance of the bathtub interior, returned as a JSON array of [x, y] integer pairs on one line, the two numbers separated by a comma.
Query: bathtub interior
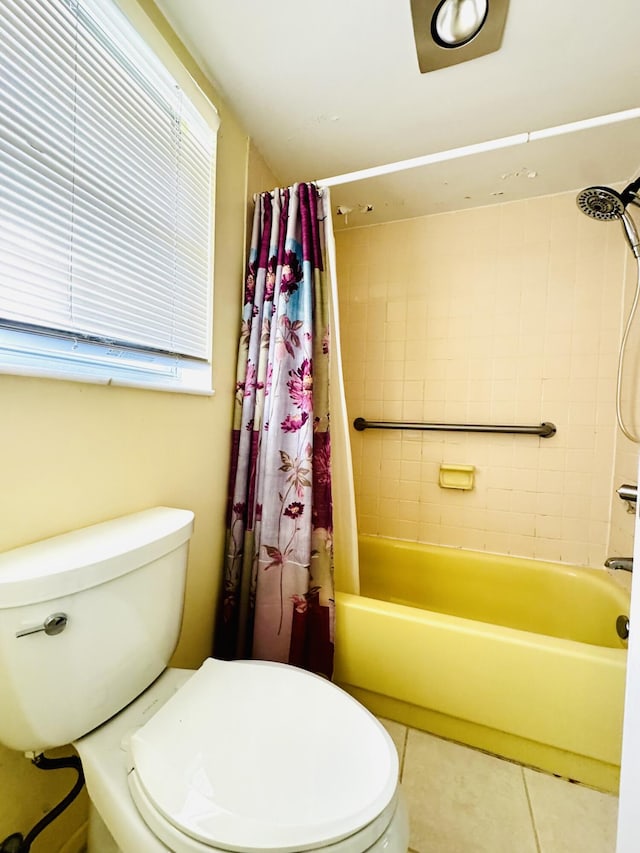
[[554, 599], [548, 701]]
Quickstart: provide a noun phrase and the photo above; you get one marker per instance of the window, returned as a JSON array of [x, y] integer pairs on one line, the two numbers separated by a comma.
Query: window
[[106, 172]]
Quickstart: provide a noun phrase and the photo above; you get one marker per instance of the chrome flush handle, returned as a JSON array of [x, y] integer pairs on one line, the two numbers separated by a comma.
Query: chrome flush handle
[[52, 625]]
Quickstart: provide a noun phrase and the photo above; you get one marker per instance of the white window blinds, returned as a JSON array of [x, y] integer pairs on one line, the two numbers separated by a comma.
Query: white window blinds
[[105, 202]]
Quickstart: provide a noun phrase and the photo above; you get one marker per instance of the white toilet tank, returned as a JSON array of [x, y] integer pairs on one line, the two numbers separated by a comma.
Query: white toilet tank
[[111, 596]]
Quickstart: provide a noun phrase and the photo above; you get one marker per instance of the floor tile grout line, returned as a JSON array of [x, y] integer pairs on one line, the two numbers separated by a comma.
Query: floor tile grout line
[[527, 774], [404, 752], [530, 804]]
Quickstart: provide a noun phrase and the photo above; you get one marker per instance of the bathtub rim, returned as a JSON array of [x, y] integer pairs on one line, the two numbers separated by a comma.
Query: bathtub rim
[[460, 624]]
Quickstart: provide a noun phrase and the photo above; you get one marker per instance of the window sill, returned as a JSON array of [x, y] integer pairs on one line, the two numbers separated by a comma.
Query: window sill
[[49, 356]]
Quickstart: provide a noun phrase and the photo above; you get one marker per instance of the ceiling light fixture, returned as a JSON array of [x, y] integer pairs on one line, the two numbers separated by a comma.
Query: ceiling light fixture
[[456, 22], [451, 31]]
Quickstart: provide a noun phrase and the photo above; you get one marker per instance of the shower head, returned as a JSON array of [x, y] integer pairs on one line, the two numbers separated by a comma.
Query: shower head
[[605, 204], [601, 203]]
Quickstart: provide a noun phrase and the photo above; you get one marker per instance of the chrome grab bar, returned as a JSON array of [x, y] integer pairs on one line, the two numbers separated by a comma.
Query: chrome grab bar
[[544, 430]]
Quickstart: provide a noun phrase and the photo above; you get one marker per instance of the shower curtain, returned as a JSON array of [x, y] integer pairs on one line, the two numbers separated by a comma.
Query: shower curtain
[[278, 589]]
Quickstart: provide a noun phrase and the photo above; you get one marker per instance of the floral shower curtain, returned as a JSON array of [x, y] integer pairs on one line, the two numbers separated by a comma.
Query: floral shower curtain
[[278, 598]]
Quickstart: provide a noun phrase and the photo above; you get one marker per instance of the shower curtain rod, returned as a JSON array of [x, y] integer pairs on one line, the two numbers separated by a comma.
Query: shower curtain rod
[[544, 430], [479, 147], [320, 189]]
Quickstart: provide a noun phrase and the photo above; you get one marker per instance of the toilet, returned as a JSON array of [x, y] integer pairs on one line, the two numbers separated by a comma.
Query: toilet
[[235, 756]]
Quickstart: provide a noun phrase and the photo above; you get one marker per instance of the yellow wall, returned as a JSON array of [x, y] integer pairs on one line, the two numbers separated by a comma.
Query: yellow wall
[[503, 314], [74, 454]]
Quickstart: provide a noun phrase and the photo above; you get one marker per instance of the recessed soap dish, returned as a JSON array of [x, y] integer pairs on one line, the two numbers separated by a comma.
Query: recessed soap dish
[[457, 476]]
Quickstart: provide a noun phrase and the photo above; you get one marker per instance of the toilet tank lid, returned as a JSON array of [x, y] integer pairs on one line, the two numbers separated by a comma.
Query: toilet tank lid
[[71, 562]]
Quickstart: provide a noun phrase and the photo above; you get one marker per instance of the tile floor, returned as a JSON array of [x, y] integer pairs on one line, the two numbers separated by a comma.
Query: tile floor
[[464, 801]]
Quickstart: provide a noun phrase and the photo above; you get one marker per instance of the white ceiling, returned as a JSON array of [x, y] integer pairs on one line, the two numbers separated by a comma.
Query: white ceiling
[[330, 87]]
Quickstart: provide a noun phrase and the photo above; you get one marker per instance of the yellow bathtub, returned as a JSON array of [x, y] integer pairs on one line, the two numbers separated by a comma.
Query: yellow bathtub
[[514, 656]]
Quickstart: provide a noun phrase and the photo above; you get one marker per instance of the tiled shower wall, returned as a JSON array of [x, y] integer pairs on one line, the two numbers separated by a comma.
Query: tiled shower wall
[[503, 314]]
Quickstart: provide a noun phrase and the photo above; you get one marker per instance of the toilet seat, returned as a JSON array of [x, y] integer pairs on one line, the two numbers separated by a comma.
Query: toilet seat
[[292, 789]]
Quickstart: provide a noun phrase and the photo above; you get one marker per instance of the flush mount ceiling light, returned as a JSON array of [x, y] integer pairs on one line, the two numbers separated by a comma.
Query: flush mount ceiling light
[[456, 22], [451, 31]]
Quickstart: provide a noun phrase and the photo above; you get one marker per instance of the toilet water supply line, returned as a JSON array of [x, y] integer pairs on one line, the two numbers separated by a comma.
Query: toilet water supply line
[[17, 843]]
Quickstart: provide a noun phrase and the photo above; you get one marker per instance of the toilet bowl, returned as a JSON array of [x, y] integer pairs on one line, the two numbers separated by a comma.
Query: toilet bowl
[[167, 774], [235, 756]]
